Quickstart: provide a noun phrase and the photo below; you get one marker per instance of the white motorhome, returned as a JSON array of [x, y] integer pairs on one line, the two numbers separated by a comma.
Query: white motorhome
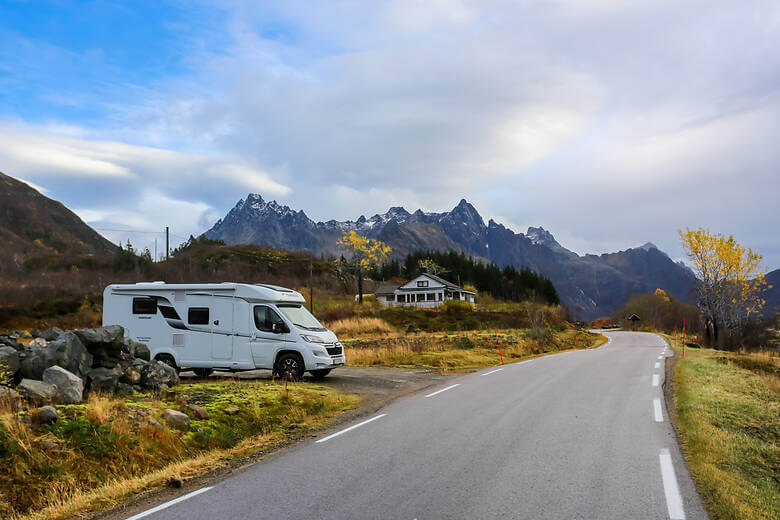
[[224, 326]]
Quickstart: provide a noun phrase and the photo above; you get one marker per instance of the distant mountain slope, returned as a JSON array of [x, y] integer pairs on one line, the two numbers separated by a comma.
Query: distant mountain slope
[[591, 285], [32, 225], [772, 295]]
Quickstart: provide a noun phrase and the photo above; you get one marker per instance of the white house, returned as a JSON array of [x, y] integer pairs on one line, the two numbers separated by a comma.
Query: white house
[[425, 291]]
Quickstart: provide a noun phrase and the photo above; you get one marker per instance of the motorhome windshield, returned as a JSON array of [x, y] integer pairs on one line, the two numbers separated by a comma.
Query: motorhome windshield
[[300, 317]]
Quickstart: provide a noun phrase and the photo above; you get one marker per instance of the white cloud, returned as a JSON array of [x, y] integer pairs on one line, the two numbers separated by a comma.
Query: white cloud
[[610, 123]]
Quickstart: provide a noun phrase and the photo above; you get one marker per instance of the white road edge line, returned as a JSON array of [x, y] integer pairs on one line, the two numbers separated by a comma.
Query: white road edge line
[[659, 414], [673, 499], [345, 430], [169, 504], [657, 364], [656, 380], [492, 372], [443, 390]]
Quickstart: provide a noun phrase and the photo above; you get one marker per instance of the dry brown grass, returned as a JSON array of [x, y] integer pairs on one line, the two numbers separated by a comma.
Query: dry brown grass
[[464, 351], [359, 326], [106, 449], [100, 407], [728, 405]]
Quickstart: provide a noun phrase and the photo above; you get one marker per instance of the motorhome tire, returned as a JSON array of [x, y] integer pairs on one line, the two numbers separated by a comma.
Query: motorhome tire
[[168, 360], [203, 372], [290, 366], [319, 374]]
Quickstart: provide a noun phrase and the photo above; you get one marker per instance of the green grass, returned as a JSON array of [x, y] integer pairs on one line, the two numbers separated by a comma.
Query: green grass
[[107, 449], [728, 407]]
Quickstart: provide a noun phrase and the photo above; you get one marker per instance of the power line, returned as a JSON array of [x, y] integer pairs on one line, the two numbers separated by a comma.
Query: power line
[[130, 231]]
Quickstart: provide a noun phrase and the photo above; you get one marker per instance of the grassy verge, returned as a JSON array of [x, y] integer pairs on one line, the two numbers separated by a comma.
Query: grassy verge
[[101, 452], [728, 408], [465, 351]]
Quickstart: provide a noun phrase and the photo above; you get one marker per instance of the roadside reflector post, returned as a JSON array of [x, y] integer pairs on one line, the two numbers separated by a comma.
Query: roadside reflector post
[[683, 352], [499, 345]]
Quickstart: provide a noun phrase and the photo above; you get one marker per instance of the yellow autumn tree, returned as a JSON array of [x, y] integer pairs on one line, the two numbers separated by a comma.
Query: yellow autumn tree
[[365, 254], [660, 293], [730, 279]]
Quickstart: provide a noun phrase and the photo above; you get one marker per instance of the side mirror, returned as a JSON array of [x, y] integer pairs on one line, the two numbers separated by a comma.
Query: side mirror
[[277, 328]]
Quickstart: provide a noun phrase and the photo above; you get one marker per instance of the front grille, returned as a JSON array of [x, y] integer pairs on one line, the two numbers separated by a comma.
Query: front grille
[[334, 351]]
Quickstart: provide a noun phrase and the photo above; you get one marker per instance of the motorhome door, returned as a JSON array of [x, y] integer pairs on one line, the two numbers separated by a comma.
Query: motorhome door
[[222, 328]]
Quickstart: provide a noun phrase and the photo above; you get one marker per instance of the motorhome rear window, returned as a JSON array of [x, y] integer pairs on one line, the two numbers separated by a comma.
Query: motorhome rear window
[[144, 306], [198, 316]]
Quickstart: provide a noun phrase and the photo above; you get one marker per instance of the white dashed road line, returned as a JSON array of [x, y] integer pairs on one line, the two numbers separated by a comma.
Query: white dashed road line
[[492, 371], [656, 380], [443, 390], [345, 430], [657, 364], [674, 503], [169, 504], [659, 414]]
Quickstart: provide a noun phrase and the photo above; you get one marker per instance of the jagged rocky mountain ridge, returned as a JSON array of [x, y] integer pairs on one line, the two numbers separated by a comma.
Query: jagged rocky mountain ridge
[[592, 285]]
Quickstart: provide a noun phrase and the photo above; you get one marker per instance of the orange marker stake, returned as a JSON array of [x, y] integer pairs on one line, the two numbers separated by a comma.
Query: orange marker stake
[[499, 345], [683, 354]]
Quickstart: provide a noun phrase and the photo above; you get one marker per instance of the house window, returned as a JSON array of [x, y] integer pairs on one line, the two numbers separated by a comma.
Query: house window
[[390, 298], [431, 297], [144, 306], [401, 298], [420, 297], [422, 283], [440, 296], [198, 316]]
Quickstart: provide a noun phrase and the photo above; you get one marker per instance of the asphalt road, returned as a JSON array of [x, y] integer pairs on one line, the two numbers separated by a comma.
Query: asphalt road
[[575, 435]]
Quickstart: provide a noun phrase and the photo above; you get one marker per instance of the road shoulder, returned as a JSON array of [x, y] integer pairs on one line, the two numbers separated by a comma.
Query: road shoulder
[[378, 387]]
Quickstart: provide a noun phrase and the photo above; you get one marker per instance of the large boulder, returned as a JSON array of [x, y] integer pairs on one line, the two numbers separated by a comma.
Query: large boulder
[[34, 360], [109, 339], [51, 334], [69, 352], [136, 350], [10, 342], [38, 342], [104, 379], [178, 420], [131, 374], [156, 373], [142, 352], [104, 359], [45, 415], [70, 387], [9, 363], [37, 391]]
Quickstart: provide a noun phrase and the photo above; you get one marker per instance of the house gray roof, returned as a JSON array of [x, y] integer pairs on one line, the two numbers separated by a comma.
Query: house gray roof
[[386, 288], [447, 284]]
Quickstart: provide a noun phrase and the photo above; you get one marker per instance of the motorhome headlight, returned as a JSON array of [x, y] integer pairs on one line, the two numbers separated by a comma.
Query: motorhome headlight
[[311, 339]]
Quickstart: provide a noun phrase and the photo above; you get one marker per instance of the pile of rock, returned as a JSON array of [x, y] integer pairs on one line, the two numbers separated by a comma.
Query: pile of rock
[[58, 366]]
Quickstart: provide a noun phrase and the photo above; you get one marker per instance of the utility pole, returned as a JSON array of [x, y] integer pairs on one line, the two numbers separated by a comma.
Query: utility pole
[[311, 286], [167, 242], [155, 249]]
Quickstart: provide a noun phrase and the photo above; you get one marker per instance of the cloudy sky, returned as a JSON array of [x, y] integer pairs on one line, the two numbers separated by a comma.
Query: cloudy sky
[[608, 122]]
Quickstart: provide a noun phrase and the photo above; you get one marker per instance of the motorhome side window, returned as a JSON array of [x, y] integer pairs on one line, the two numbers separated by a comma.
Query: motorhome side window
[[198, 316], [265, 317], [144, 306]]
